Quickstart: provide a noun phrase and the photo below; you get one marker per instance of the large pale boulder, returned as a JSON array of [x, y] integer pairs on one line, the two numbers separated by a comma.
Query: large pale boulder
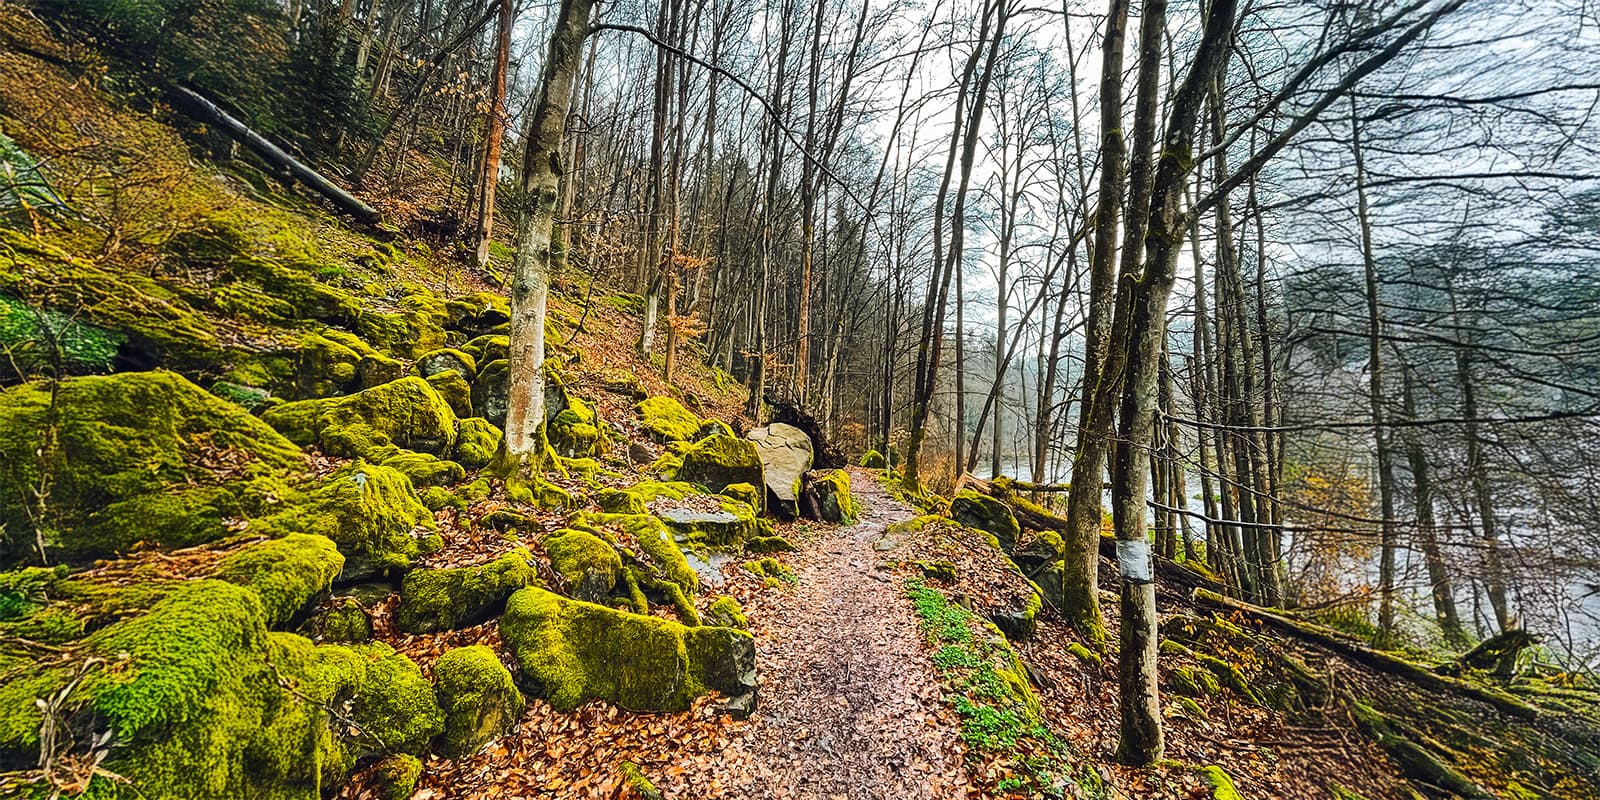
[[785, 453]]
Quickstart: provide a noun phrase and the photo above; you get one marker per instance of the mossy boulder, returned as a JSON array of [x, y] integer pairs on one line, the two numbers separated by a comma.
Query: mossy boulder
[[477, 441], [1189, 681], [873, 459], [288, 573], [658, 555], [744, 493], [573, 429], [713, 427], [717, 462], [768, 544], [827, 497], [726, 612], [667, 420], [589, 564], [623, 382], [445, 599], [332, 362], [447, 359], [785, 454], [479, 698], [636, 499], [407, 413], [203, 701], [571, 652], [476, 313], [455, 390], [342, 619], [139, 457], [729, 525], [977, 510], [370, 512], [424, 469]]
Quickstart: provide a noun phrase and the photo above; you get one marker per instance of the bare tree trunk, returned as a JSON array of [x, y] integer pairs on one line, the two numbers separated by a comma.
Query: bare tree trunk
[[496, 131], [1441, 587], [525, 442]]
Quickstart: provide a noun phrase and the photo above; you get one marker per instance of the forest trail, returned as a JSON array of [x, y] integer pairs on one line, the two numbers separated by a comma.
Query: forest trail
[[850, 706]]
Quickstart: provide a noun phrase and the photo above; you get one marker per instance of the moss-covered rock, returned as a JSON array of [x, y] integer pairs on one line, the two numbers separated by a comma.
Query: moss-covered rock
[[730, 525], [424, 469], [623, 382], [342, 619], [455, 390], [204, 702], [726, 612], [448, 360], [872, 459], [1221, 785], [479, 698], [476, 313], [477, 441], [332, 362], [667, 420], [1189, 681], [288, 573], [588, 563], [487, 348], [445, 599], [768, 544], [976, 510], [370, 512], [658, 554], [713, 427], [827, 497], [571, 651], [719, 461], [573, 429], [406, 413], [139, 457], [744, 493], [489, 390], [637, 498], [395, 777]]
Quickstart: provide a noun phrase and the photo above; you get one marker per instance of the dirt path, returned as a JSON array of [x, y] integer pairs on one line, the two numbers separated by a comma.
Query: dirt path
[[850, 706]]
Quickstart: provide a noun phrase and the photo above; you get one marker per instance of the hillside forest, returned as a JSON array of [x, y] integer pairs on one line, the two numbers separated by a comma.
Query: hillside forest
[[1098, 399]]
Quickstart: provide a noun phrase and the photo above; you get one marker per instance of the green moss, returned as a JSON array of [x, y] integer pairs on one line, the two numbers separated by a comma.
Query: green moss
[[726, 612], [588, 563], [638, 785], [1191, 682], [667, 420], [744, 493], [448, 360], [370, 512], [830, 492], [332, 362], [485, 349], [873, 459], [637, 498], [343, 620], [657, 553], [445, 599], [768, 544], [942, 571], [770, 568], [438, 498], [1221, 785], [477, 442], [424, 469], [914, 524], [143, 456], [713, 427], [479, 699], [396, 776], [406, 413], [571, 651], [417, 328], [455, 390], [287, 574], [574, 431]]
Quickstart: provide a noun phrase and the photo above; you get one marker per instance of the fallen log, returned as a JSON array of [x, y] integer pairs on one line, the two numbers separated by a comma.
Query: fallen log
[[197, 106], [1374, 659]]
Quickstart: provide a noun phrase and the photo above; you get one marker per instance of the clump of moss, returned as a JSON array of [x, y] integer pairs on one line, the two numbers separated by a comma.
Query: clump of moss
[[445, 599], [667, 420], [571, 651], [396, 776], [477, 441], [424, 469], [1191, 682], [288, 573], [770, 569], [406, 413], [343, 620], [639, 786], [636, 499], [574, 430], [144, 456], [942, 571], [1221, 785], [729, 526], [479, 699], [28, 336], [768, 544], [371, 512], [726, 612], [589, 564]]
